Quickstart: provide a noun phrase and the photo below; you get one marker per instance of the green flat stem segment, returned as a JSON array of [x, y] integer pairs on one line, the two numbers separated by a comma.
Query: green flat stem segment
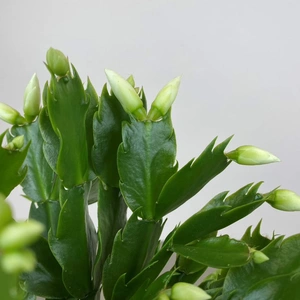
[[277, 278], [146, 160], [132, 250], [38, 182], [112, 212], [67, 107], [218, 214], [70, 244], [107, 132], [190, 179], [11, 171], [216, 252]]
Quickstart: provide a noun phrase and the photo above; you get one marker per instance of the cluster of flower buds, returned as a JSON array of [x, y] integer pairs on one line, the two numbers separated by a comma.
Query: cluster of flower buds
[[281, 199], [127, 95], [16, 144], [14, 238], [58, 63], [123, 89], [184, 291], [31, 105]]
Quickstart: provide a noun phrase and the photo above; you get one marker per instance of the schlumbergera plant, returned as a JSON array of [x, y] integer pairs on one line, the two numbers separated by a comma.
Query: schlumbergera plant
[[78, 148]]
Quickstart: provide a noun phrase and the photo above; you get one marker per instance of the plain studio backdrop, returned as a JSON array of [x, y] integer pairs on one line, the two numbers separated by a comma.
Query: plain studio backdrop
[[240, 67]]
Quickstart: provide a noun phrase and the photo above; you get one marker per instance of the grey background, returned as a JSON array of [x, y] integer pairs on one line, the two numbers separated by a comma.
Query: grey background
[[240, 67]]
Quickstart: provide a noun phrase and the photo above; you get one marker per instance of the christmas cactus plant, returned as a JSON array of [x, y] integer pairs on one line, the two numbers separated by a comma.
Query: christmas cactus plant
[[78, 148]]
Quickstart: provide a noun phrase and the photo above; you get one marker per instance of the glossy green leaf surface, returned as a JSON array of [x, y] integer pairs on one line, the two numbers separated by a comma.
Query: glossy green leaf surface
[[214, 280], [38, 182], [146, 160], [189, 266], [46, 279], [126, 290], [46, 213], [216, 252], [190, 179], [111, 218], [140, 293], [107, 128], [218, 213], [133, 248], [67, 107], [5, 213], [11, 171], [39, 212], [53, 211], [70, 243], [51, 142], [92, 99], [278, 278], [215, 293], [158, 285], [92, 190], [255, 239], [92, 241], [189, 278]]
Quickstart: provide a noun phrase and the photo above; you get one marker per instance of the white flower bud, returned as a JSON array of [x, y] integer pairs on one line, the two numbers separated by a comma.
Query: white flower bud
[[18, 261], [10, 115], [250, 155], [126, 94], [21, 234], [32, 99], [187, 291], [57, 62], [164, 100], [284, 200]]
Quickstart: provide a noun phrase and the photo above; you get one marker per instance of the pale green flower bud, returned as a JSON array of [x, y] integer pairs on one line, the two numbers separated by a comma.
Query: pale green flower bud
[[126, 94], [164, 100], [284, 200], [259, 257], [5, 213], [57, 62], [32, 99], [21, 234], [163, 296], [187, 291], [10, 115], [250, 155], [18, 261], [16, 144]]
